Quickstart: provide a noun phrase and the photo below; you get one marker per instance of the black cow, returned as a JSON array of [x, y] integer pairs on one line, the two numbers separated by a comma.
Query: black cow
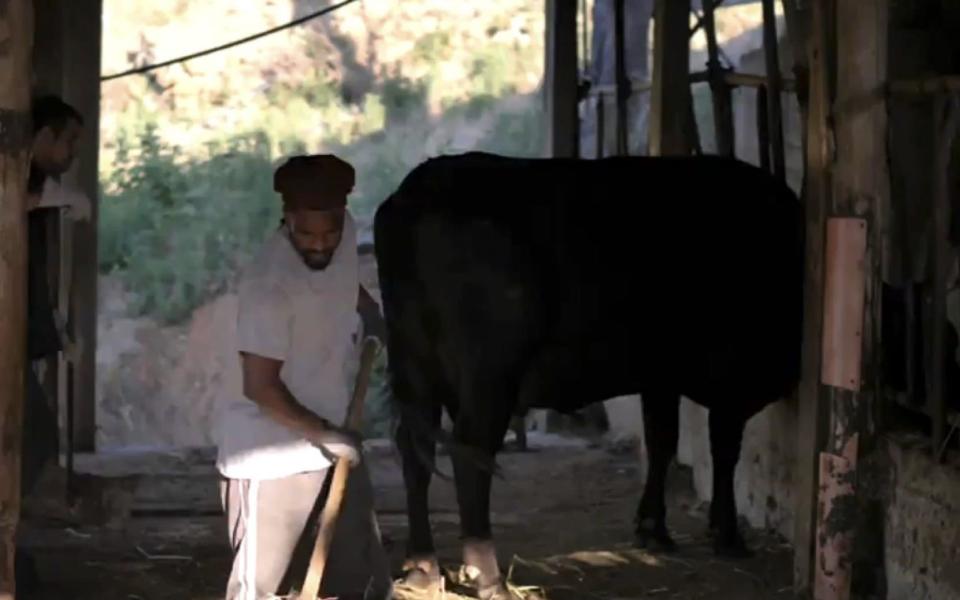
[[512, 283]]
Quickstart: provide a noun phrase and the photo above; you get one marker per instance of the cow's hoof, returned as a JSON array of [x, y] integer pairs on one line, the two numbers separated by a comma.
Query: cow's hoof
[[422, 574], [654, 538], [25, 570], [733, 547]]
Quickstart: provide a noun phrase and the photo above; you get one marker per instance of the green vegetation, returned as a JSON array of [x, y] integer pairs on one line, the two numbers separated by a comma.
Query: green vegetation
[[179, 217], [174, 227]]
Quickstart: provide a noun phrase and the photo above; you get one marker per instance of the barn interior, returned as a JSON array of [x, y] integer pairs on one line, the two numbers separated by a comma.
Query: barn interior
[[850, 487]]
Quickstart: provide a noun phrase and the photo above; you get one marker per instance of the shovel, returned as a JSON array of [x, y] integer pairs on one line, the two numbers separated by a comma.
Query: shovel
[[331, 510]]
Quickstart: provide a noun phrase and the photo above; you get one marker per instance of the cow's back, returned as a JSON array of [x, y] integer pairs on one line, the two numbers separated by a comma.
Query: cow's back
[[688, 271]]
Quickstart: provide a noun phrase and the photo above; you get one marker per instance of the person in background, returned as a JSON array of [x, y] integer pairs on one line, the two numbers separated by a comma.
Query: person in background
[[57, 128], [279, 424]]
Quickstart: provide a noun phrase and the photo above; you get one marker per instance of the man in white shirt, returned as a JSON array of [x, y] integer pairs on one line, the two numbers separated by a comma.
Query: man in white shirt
[[279, 425]]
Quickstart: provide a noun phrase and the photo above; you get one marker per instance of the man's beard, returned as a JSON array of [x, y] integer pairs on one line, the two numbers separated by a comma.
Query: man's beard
[[316, 261]]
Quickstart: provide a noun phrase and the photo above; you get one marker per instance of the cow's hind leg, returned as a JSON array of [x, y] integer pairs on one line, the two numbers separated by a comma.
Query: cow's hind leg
[[726, 436], [418, 451], [661, 424], [481, 424]]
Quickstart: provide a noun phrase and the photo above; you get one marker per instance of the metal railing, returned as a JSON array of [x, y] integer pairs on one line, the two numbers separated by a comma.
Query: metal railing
[[769, 110]]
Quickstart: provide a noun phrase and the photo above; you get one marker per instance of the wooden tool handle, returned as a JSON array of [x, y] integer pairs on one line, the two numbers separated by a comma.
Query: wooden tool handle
[[331, 509]]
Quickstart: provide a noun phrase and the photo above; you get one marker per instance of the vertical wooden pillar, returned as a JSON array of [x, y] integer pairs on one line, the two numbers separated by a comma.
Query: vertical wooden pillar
[[861, 189], [81, 87], [813, 412], [16, 43], [670, 103], [561, 79], [797, 19]]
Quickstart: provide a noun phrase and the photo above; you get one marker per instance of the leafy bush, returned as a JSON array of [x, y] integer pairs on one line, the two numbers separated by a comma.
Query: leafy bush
[[173, 230]]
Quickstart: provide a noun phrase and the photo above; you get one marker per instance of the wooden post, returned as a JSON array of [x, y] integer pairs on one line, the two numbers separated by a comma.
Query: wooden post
[[16, 46], [813, 414], [622, 83], [670, 96], [946, 123], [763, 134], [81, 88], [600, 125], [561, 78], [775, 87], [720, 90], [861, 190]]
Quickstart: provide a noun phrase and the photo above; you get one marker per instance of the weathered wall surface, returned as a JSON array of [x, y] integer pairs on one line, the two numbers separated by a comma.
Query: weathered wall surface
[[922, 530]]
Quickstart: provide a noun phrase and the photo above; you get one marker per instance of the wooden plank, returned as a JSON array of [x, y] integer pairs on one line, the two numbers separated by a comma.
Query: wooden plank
[[16, 44], [812, 412], [81, 88], [670, 96], [775, 87], [844, 262], [560, 79], [719, 88]]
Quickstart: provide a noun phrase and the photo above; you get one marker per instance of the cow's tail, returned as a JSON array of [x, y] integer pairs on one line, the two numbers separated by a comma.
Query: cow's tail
[[395, 261]]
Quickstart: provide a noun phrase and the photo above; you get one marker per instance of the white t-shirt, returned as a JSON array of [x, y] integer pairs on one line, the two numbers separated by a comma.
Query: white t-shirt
[[307, 319]]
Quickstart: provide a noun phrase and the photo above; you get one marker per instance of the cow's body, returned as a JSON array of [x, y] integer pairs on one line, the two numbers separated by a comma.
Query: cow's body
[[511, 284]]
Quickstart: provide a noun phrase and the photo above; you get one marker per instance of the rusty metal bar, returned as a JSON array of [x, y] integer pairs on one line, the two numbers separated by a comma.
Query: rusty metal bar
[[946, 124], [635, 87], [910, 301], [925, 87], [732, 78], [774, 85], [735, 79], [719, 89], [763, 134], [623, 85]]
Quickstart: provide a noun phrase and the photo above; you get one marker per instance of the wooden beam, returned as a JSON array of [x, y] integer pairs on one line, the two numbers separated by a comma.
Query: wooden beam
[[561, 79], [16, 47], [81, 88], [670, 96], [719, 87], [813, 414], [775, 87]]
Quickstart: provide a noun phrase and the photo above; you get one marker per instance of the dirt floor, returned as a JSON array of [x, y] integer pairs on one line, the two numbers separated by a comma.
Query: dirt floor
[[562, 519]]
